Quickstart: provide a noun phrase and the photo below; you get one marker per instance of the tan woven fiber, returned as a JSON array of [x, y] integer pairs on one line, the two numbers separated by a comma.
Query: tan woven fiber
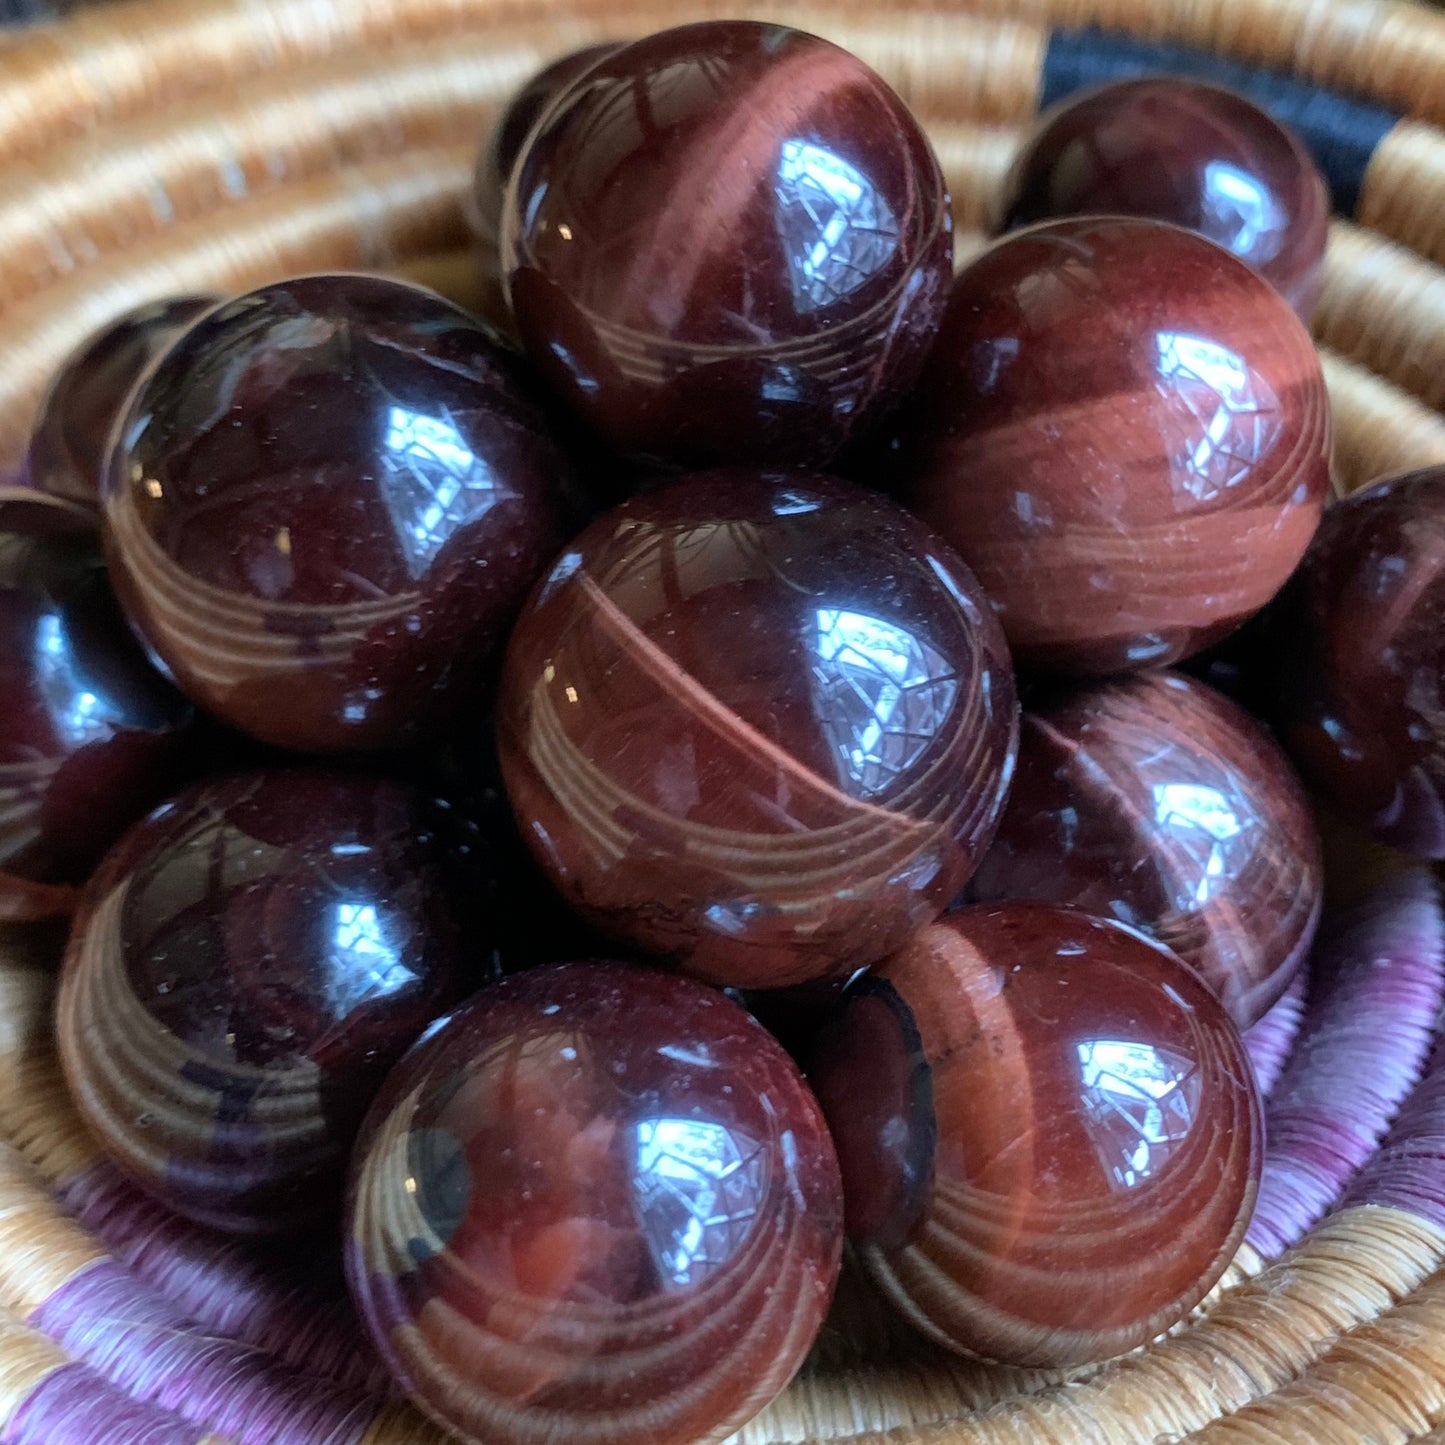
[[1403, 194], [40, 1250], [1383, 1383], [365, 216], [1384, 308], [1379, 429], [37, 1118], [26, 1358], [975, 160], [88, 200], [116, 62]]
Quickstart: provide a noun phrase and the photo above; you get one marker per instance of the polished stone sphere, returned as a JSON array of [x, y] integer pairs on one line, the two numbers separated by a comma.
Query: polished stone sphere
[[504, 142], [91, 737], [761, 725], [598, 1205], [89, 393], [1182, 151], [1358, 641], [1124, 432], [246, 966], [1049, 1132], [1156, 801], [331, 499], [728, 243]]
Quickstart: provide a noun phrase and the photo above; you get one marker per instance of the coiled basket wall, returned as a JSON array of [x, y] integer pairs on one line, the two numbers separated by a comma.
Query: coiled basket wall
[[157, 147]]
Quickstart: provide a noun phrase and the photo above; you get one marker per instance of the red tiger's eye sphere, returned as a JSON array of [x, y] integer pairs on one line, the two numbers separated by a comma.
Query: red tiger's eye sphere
[[598, 1205], [90, 735], [728, 242], [1157, 802], [762, 725], [499, 152], [246, 966], [89, 393], [1178, 150], [1049, 1133], [332, 498], [1359, 636], [1124, 431]]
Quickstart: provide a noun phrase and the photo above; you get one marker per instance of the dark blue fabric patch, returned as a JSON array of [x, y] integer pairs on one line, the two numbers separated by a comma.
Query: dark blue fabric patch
[[25, 12], [1341, 132]]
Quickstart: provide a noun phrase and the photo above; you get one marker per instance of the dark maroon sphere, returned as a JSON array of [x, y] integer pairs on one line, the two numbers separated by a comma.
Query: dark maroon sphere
[[762, 725], [1359, 642], [73, 431], [1049, 1133], [728, 242], [1124, 432], [246, 966], [332, 497], [1182, 151], [1157, 802], [598, 1205], [504, 143], [91, 737]]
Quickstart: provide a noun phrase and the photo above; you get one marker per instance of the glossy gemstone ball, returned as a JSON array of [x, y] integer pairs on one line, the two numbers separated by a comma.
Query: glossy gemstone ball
[[331, 500], [1182, 151], [1124, 432], [504, 142], [729, 242], [761, 725], [91, 737], [1359, 642], [89, 394], [1049, 1133], [245, 968], [598, 1205], [1156, 801]]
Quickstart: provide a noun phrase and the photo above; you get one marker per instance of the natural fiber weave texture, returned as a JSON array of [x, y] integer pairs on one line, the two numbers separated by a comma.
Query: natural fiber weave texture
[[157, 146]]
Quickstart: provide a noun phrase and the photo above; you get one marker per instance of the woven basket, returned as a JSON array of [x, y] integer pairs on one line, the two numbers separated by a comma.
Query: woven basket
[[163, 146]]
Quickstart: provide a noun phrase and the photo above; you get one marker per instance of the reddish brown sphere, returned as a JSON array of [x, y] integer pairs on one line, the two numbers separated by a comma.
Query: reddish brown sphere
[[1124, 431], [1049, 1133], [761, 725], [500, 150], [1182, 151], [89, 393], [1359, 642], [598, 1205], [332, 497], [245, 968], [91, 736], [728, 242], [1157, 802]]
